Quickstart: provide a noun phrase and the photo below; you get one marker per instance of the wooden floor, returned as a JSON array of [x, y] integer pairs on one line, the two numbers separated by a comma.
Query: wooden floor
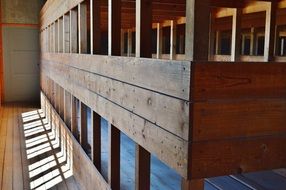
[[30, 157]]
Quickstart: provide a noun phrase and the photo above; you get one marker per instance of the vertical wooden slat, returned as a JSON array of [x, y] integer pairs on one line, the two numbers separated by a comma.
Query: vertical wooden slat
[[114, 27], [66, 33], [74, 117], [82, 27], [159, 40], [142, 164], [122, 43], [67, 108], [56, 36], [74, 31], [129, 43], [217, 43], [143, 28], [96, 140], [96, 26], [197, 29], [60, 29], [114, 157], [173, 40], [143, 49], [270, 26], [83, 125], [236, 34]]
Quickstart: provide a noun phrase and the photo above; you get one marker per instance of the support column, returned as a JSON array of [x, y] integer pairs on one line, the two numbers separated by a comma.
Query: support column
[[66, 33], [236, 34], [82, 27], [114, 27], [129, 43], [143, 49], [270, 31], [96, 140], [83, 126], [193, 184], [74, 30], [159, 41], [74, 118], [252, 41], [114, 157], [114, 48], [173, 40], [197, 29], [217, 43], [96, 39]]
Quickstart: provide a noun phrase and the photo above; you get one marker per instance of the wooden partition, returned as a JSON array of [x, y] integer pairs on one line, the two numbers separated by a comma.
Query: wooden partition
[[202, 119]]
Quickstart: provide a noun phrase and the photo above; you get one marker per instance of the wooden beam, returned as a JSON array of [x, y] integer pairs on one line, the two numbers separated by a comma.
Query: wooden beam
[[114, 157], [96, 140], [142, 166], [173, 40], [197, 29], [83, 126], [114, 27], [236, 34], [270, 27], [143, 28], [82, 27]]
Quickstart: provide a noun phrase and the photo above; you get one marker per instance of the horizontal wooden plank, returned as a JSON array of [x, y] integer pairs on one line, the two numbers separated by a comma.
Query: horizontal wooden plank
[[169, 113], [83, 169], [168, 147], [163, 76], [238, 80], [219, 158], [240, 118]]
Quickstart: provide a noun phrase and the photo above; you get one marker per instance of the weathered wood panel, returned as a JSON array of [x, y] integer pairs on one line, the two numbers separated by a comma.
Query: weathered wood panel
[[218, 158], [166, 146], [238, 80], [238, 118], [163, 76], [169, 113]]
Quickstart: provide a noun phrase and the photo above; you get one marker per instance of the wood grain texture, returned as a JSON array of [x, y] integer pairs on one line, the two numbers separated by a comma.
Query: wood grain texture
[[238, 80], [167, 112], [238, 119], [166, 146], [218, 158]]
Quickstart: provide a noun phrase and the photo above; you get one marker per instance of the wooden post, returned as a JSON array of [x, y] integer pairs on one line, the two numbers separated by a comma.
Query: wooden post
[[74, 117], [82, 27], [159, 41], [96, 39], [129, 43], [74, 31], [217, 43], [114, 46], [236, 34], [114, 157], [143, 28], [270, 26], [67, 108], [114, 27], [66, 33], [252, 41], [96, 140], [143, 49], [60, 28], [142, 166], [122, 44], [212, 37], [173, 40], [56, 36], [192, 184], [83, 126], [197, 29]]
